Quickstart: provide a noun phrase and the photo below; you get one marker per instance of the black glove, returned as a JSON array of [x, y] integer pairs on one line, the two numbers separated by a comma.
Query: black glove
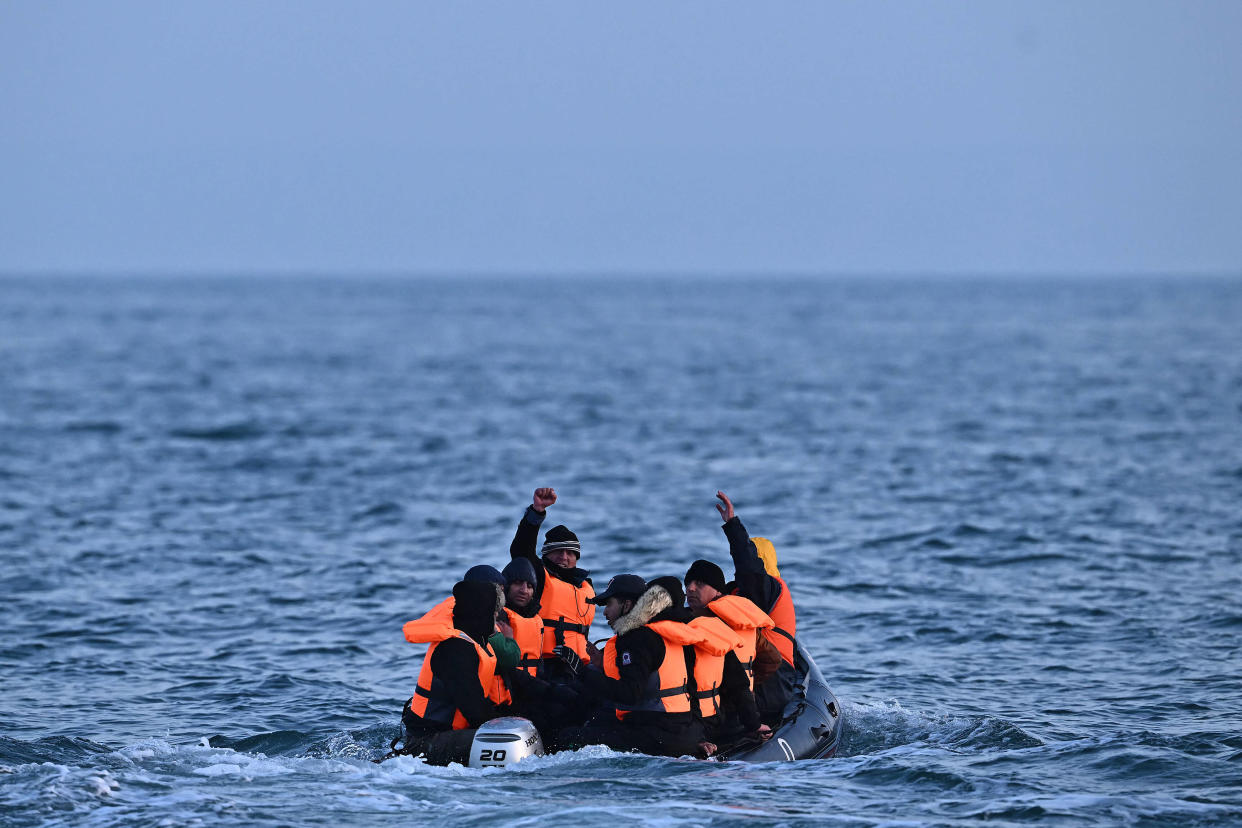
[[570, 658]]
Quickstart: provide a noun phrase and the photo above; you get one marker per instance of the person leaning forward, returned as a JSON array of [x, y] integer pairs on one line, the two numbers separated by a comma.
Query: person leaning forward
[[644, 679], [563, 592]]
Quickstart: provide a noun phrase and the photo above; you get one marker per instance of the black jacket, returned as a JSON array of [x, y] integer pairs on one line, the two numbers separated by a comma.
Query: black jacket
[[639, 651], [752, 580], [455, 663]]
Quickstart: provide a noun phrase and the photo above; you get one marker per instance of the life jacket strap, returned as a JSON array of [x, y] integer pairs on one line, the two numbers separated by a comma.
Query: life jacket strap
[[673, 691], [562, 626], [785, 633]]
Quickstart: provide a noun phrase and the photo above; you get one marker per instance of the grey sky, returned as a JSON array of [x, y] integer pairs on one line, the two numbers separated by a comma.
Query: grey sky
[[706, 137]]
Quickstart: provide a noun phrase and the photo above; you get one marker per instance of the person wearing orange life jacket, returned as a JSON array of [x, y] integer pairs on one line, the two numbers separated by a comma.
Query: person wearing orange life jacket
[[705, 585], [502, 641], [522, 613], [457, 688], [757, 578], [563, 591], [728, 705], [645, 681]]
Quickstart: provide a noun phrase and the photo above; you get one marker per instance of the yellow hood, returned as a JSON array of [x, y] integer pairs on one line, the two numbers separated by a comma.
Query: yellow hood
[[767, 554]]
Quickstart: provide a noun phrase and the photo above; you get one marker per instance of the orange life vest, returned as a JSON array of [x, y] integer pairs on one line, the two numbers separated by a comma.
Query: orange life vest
[[441, 613], [431, 700], [785, 624], [668, 688], [567, 613], [743, 617], [528, 633], [709, 658]]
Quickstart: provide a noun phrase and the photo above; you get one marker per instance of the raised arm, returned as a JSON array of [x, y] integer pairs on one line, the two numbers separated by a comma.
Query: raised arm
[[753, 581], [526, 540]]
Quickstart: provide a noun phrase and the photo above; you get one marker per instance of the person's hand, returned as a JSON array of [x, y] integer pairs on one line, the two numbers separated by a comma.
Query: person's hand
[[543, 499], [725, 507], [504, 628], [570, 658], [708, 748], [764, 732]]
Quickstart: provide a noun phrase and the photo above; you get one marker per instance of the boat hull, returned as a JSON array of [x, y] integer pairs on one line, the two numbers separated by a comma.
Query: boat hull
[[811, 726]]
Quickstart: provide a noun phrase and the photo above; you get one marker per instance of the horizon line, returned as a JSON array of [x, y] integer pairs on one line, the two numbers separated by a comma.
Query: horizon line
[[605, 273]]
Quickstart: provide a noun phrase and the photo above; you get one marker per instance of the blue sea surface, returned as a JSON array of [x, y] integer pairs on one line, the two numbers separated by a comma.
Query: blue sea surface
[[1008, 510]]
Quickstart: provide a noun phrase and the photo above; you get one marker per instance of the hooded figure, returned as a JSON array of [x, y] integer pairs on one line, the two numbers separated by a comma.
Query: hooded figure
[[459, 687], [507, 651], [474, 608]]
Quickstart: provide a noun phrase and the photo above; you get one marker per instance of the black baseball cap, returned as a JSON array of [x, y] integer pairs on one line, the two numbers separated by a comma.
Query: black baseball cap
[[621, 586]]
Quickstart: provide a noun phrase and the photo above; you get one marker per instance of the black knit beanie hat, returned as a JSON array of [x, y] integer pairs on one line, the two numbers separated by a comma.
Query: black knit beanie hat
[[559, 537], [484, 573], [706, 572], [519, 569], [672, 586]]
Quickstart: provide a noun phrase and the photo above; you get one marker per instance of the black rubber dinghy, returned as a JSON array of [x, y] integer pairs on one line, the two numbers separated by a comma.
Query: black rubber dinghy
[[811, 727]]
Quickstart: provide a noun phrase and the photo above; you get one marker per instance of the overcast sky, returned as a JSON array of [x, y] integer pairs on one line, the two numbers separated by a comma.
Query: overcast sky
[[912, 137]]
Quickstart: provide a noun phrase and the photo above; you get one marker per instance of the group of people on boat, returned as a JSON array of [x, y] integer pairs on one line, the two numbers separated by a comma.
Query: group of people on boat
[[689, 671]]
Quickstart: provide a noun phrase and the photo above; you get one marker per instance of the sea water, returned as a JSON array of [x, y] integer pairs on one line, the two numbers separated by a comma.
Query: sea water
[[1008, 511]]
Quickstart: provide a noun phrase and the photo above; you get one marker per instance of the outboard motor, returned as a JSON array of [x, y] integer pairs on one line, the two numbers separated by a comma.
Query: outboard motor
[[503, 742]]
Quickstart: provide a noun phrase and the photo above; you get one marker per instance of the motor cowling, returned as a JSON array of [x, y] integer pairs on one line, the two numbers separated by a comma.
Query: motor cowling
[[503, 742]]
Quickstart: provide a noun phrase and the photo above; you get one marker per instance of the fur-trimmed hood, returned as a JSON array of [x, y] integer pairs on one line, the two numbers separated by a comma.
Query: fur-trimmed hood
[[650, 604]]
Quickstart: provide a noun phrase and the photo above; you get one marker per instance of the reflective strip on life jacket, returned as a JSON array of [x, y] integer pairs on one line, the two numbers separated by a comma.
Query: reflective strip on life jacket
[[431, 700], [567, 613]]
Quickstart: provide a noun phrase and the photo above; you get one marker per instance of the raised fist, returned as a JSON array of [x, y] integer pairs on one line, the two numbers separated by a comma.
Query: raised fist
[[543, 499]]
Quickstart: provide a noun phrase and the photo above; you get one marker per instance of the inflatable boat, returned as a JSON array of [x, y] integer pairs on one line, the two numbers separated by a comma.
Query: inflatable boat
[[810, 728]]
